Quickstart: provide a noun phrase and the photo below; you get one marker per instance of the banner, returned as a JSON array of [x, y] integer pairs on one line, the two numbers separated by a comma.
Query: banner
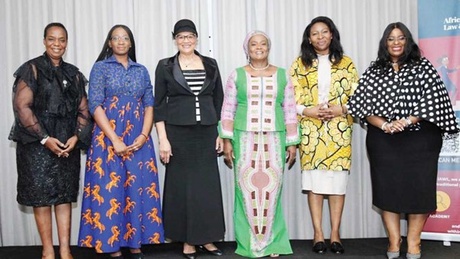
[[439, 40]]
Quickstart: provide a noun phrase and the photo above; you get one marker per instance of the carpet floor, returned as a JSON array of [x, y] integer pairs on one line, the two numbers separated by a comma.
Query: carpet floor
[[354, 248]]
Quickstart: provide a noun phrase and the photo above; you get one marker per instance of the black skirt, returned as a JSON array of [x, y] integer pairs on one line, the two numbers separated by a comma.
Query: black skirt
[[45, 179], [404, 168], [192, 197]]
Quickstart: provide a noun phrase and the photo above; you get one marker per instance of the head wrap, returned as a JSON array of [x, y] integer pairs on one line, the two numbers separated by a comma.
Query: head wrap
[[184, 25], [249, 36]]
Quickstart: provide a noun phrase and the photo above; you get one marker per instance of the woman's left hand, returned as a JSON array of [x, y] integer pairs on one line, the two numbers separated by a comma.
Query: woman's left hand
[[219, 145], [137, 144], [330, 111], [398, 125], [69, 146], [291, 155]]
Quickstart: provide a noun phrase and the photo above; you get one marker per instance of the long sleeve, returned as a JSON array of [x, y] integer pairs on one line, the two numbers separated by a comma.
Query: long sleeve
[[161, 104], [290, 118], [147, 98], [218, 94], [84, 124], [23, 100], [228, 108], [96, 87]]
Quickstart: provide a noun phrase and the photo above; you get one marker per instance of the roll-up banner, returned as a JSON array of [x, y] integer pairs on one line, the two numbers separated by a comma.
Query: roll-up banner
[[439, 40]]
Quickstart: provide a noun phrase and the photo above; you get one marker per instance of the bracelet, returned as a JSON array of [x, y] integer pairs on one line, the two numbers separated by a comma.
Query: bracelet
[[383, 125], [408, 121], [144, 135], [43, 141]]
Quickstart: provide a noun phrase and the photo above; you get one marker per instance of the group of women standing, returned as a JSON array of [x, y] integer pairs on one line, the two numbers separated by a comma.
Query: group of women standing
[[257, 121]]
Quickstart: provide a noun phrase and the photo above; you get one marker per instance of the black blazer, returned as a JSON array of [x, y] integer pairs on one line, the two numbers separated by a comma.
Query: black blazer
[[175, 101]]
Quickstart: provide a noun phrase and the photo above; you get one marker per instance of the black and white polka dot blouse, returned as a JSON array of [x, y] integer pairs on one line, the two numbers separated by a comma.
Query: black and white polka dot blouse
[[416, 89]]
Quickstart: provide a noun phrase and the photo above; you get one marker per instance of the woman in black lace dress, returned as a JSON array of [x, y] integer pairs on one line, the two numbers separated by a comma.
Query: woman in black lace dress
[[52, 123]]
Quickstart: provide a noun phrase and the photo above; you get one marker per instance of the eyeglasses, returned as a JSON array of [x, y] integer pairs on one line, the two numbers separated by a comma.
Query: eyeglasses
[[190, 37], [400, 38], [120, 38]]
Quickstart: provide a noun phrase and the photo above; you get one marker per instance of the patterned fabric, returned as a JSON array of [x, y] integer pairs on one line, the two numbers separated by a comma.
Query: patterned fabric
[[111, 79], [121, 196], [195, 79], [262, 109], [259, 104], [260, 227], [325, 145], [416, 89]]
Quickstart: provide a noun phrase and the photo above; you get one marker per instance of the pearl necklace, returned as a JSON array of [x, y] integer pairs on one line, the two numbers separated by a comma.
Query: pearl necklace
[[259, 68]]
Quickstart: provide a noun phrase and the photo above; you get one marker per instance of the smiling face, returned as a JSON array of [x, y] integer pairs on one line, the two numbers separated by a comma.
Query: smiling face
[[55, 43], [396, 42], [186, 42], [120, 42], [320, 38], [258, 48]]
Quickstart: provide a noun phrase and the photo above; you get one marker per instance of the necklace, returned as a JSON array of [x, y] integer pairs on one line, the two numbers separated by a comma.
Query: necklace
[[192, 60], [259, 68]]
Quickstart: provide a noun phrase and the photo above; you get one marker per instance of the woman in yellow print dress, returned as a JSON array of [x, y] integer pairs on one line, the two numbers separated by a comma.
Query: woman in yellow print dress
[[323, 78], [121, 200]]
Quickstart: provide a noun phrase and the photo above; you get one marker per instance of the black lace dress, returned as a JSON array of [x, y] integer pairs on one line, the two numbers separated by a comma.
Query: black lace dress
[[48, 101]]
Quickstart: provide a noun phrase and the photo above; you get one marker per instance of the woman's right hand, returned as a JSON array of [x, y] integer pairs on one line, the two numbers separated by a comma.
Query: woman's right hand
[[318, 112], [56, 147], [228, 153], [120, 147], [165, 151]]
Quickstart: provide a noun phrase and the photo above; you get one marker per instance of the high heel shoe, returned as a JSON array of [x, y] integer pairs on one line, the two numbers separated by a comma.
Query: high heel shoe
[[136, 256], [120, 256], [394, 254], [319, 247], [413, 256], [337, 248], [216, 252], [190, 256]]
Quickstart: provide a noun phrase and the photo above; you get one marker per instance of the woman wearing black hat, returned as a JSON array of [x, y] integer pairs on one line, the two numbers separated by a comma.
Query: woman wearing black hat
[[188, 100]]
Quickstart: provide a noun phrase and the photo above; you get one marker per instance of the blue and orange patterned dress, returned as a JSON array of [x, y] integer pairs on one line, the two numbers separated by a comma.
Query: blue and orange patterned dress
[[121, 197]]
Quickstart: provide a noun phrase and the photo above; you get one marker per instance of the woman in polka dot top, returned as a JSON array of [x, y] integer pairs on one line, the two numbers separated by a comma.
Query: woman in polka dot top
[[406, 108]]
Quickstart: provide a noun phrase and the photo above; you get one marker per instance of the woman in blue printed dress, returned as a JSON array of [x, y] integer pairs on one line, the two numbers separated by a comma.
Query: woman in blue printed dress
[[121, 197]]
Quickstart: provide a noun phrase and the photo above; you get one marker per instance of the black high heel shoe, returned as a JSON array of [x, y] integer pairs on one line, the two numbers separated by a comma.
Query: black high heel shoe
[[337, 248], [190, 256], [319, 247], [136, 256], [216, 252]]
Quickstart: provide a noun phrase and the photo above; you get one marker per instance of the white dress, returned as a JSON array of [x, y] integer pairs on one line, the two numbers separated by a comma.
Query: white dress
[[323, 181]]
